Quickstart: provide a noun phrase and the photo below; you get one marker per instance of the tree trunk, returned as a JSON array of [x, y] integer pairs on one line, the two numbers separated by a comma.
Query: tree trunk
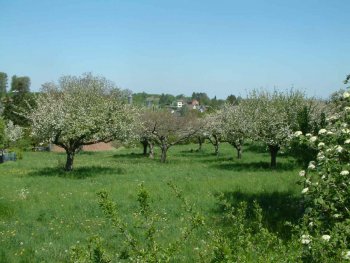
[[216, 144], [2, 156], [273, 152], [216, 148], [151, 150], [145, 145], [239, 152], [200, 143], [238, 147], [70, 159], [163, 156]]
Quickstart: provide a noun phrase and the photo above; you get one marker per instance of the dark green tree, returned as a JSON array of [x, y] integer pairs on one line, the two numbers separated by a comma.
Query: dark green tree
[[3, 84], [232, 99], [166, 99], [2, 133], [20, 84], [17, 101], [202, 98], [139, 99], [304, 120]]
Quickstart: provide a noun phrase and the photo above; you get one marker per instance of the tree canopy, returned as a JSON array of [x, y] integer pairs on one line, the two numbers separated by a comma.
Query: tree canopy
[[3, 84], [80, 111], [273, 117]]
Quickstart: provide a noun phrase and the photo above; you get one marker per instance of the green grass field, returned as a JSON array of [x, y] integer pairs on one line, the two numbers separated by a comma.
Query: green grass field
[[44, 211]]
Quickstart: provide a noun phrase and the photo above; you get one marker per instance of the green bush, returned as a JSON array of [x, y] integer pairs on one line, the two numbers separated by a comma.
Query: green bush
[[243, 239], [326, 224]]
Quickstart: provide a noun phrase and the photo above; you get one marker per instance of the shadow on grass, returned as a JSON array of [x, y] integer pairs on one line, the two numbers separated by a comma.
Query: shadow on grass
[[277, 208], [256, 147], [6, 210], [77, 173], [256, 166], [130, 156], [87, 153], [205, 154]]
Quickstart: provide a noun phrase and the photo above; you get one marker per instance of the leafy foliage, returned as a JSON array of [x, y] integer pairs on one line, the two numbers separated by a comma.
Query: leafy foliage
[[142, 244], [326, 189], [243, 239], [3, 84]]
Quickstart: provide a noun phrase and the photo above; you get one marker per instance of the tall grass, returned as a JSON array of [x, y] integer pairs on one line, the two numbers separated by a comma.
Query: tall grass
[[44, 210]]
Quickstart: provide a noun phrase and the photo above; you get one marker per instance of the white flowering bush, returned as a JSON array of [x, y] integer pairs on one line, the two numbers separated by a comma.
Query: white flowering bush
[[272, 118], [311, 119], [81, 111], [10, 137], [326, 191], [235, 127], [9, 133], [13, 132], [166, 129], [213, 129]]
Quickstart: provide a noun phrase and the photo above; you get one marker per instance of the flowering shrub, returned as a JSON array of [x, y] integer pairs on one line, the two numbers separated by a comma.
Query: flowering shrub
[[82, 110], [326, 182], [13, 132]]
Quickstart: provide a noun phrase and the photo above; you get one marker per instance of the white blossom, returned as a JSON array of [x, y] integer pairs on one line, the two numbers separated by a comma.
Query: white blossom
[[13, 132], [332, 118], [322, 131], [298, 133], [326, 237], [305, 239], [311, 166], [345, 131], [320, 156], [339, 149], [308, 135], [302, 173], [347, 141], [320, 145], [344, 172], [313, 139], [305, 190], [346, 95], [346, 255]]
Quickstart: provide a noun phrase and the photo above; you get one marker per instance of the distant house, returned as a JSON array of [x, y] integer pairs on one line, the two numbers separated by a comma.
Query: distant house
[[202, 108], [180, 103], [194, 104]]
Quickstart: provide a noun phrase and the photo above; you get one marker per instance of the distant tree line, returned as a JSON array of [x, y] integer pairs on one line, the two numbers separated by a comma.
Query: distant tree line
[[168, 100], [15, 103]]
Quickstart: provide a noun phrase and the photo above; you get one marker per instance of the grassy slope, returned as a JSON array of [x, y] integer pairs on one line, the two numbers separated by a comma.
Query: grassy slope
[[44, 211]]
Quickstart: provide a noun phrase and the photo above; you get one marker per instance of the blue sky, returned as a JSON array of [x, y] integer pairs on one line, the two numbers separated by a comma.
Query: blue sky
[[217, 47]]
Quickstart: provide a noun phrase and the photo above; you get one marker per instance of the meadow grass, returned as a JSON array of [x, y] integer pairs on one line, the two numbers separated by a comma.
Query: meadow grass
[[44, 210]]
